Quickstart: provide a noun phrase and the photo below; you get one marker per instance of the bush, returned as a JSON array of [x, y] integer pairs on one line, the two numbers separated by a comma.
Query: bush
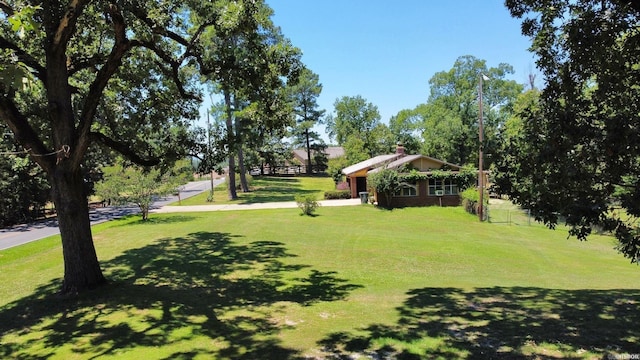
[[337, 194], [307, 203], [385, 182], [470, 198], [342, 186]]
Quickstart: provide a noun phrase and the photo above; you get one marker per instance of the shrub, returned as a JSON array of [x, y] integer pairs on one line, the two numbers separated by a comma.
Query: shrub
[[337, 194], [335, 167], [385, 182], [342, 186], [470, 198], [307, 203]]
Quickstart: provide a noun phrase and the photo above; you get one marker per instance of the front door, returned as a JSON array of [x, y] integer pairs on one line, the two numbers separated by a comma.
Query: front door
[[361, 184]]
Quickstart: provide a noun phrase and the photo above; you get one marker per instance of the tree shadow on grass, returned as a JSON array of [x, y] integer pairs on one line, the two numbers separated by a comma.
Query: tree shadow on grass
[[502, 323], [206, 292]]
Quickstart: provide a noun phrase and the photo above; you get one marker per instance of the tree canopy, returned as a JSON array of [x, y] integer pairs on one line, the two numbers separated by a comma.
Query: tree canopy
[[577, 158], [304, 96], [356, 126], [121, 75], [450, 116]]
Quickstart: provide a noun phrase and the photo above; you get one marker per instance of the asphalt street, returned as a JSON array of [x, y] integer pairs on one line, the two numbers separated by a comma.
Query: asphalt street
[[21, 234]]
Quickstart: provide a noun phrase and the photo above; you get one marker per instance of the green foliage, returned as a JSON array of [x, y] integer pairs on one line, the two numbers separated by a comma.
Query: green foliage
[[450, 116], [385, 182], [307, 204], [573, 149], [337, 194], [356, 126], [404, 127], [466, 177], [131, 184], [23, 190], [412, 176], [335, 167], [471, 198], [304, 95]]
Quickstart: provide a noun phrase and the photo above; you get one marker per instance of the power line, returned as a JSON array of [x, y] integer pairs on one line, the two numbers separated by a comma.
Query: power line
[[64, 149]]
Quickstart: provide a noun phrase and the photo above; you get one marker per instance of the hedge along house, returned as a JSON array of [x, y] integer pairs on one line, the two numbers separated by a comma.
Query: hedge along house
[[435, 182]]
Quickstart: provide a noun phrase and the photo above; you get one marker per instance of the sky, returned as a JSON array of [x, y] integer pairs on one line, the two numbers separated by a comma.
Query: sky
[[386, 51]]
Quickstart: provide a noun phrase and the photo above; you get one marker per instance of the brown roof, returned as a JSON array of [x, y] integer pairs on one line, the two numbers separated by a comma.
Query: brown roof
[[332, 152], [374, 162], [410, 158]]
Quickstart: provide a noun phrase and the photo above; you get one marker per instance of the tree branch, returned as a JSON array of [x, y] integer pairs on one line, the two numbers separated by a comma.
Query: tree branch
[[39, 70], [123, 149], [24, 134], [121, 46], [67, 24], [172, 70], [86, 63], [6, 8]]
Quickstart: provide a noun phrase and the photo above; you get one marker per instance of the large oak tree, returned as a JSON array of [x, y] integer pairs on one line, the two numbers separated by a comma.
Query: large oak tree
[[80, 73]]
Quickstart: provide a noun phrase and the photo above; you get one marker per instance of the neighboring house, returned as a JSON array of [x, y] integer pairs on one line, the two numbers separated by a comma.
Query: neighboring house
[[433, 191], [331, 152]]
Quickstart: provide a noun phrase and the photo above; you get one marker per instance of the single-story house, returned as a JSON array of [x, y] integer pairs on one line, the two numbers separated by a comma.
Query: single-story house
[[432, 191]]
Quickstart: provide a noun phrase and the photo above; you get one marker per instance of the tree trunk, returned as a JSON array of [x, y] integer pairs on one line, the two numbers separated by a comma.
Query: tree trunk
[[241, 168], [231, 143], [81, 268], [306, 133]]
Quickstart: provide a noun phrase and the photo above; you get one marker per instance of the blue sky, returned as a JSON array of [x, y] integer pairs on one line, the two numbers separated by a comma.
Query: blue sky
[[386, 51]]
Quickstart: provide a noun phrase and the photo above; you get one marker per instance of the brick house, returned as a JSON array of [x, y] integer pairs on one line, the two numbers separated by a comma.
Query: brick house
[[432, 191]]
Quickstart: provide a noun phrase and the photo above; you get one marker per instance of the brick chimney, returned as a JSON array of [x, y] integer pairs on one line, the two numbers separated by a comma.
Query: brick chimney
[[400, 149]]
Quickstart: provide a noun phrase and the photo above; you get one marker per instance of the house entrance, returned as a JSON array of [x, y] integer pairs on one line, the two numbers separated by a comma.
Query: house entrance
[[361, 184]]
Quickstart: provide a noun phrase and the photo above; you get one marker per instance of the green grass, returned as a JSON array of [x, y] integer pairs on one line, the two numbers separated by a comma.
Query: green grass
[[267, 189], [271, 284]]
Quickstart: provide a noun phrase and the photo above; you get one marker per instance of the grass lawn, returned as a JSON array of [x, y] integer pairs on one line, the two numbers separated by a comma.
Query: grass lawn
[[416, 283], [267, 189]]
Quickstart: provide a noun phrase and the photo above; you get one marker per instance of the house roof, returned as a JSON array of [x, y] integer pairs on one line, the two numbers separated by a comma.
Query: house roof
[[370, 163], [332, 152], [409, 159]]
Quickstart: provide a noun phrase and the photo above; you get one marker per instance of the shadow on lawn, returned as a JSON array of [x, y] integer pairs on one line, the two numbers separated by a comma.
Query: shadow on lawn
[[503, 323], [205, 288]]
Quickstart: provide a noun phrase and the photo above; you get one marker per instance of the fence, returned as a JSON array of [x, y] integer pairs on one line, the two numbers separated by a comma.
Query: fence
[[504, 212]]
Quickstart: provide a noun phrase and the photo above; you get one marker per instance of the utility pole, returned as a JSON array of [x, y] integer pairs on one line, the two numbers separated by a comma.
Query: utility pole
[[480, 156]]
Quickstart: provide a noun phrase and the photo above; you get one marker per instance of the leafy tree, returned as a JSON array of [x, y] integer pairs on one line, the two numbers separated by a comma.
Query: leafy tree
[[305, 104], [385, 182], [135, 185], [356, 125], [450, 128], [404, 128], [335, 167], [23, 189], [91, 73], [578, 155], [249, 62]]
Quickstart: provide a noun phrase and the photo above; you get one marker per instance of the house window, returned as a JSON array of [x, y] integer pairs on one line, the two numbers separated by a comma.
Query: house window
[[407, 190], [442, 187]]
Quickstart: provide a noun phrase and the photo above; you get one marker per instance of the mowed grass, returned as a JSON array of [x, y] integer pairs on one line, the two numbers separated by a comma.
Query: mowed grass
[[267, 189], [416, 283]]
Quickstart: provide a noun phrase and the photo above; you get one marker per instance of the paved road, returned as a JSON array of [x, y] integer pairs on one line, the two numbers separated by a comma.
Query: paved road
[[21, 234]]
